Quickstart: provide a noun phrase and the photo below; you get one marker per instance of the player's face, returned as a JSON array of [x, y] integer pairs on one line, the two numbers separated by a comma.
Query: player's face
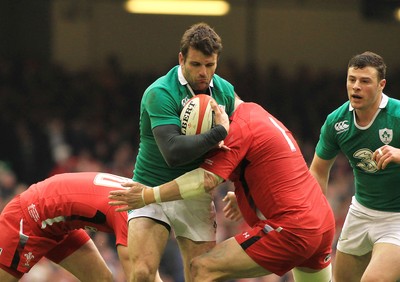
[[364, 89], [198, 69]]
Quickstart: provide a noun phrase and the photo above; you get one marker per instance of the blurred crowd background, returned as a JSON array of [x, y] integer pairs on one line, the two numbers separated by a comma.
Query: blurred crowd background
[[53, 121]]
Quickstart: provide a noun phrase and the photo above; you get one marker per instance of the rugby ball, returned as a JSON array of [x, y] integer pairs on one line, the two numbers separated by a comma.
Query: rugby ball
[[197, 116]]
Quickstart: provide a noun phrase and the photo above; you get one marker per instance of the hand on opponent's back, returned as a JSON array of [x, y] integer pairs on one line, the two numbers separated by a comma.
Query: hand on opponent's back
[[130, 198]]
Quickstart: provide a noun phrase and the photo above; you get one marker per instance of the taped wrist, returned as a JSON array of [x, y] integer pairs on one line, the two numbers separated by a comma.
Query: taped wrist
[[191, 183], [144, 201], [157, 196]]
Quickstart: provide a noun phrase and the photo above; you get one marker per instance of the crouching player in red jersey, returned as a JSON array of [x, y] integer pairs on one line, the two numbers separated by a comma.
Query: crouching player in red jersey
[[47, 219], [292, 223]]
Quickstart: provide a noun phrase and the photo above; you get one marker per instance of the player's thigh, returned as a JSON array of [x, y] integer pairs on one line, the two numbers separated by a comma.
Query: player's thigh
[[226, 260], [384, 264], [5, 276], [71, 242], [147, 239], [87, 264], [349, 268], [193, 218]]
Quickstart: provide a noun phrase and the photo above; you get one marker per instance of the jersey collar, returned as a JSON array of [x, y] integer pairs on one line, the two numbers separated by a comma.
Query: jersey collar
[[382, 105], [183, 80]]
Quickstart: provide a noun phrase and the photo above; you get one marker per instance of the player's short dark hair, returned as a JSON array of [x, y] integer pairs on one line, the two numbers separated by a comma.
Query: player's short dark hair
[[369, 59], [201, 37]]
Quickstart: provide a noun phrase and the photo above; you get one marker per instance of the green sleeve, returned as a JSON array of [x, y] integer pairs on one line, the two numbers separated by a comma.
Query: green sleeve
[[327, 147]]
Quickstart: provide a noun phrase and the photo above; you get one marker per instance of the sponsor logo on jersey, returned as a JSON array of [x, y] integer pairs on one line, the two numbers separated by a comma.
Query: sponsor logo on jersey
[[342, 126], [366, 162], [386, 135]]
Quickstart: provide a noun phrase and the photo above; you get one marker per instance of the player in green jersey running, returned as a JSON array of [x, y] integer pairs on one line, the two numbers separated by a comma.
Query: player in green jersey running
[[365, 130], [164, 154]]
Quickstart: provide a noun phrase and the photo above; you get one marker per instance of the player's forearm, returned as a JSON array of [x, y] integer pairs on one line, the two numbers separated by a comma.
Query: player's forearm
[[323, 182], [189, 185], [320, 169], [178, 149], [188, 148]]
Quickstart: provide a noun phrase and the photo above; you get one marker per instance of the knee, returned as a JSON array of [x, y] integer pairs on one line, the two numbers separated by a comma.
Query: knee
[[195, 268], [143, 273], [198, 270]]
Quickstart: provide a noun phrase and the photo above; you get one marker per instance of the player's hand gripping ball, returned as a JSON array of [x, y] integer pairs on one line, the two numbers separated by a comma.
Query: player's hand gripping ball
[[197, 116]]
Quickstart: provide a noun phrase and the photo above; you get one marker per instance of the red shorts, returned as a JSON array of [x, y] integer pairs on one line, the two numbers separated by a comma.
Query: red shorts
[[279, 251], [21, 247]]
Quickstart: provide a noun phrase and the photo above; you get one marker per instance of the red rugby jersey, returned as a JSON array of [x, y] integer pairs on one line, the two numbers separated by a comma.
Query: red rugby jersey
[[75, 200], [271, 177]]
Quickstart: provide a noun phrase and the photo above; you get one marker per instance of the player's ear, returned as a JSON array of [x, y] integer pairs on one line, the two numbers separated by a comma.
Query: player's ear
[[181, 59]]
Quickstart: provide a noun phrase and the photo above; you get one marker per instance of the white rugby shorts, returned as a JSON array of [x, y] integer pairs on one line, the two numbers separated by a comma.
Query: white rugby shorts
[[194, 219], [365, 227]]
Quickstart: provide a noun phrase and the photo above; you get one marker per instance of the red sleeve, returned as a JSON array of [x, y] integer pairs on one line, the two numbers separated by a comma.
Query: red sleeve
[[223, 163]]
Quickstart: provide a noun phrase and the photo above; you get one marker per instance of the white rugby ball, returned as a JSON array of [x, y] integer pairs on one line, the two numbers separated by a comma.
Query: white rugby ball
[[197, 116]]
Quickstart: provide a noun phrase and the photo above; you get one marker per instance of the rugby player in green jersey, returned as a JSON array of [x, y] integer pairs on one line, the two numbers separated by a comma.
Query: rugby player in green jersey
[[164, 154], [367, 130]]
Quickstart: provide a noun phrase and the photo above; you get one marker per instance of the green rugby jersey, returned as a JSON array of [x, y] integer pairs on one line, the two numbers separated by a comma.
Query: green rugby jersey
[[161, 104], [375, 189]]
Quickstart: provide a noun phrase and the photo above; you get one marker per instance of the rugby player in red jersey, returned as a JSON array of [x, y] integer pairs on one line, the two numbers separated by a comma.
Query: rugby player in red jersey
[[291, 222], [48, 220]]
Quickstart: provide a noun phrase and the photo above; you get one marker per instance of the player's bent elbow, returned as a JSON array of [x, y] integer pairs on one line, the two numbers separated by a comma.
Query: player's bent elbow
[[211, 180]]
